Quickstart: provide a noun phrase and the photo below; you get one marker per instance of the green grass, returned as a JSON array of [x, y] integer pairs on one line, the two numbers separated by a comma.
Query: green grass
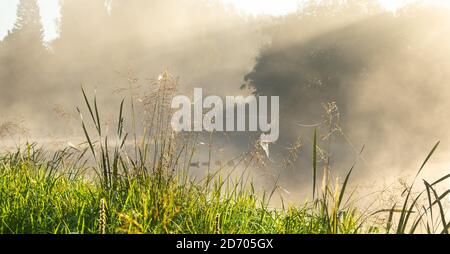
[[105, 187], [35, 200]]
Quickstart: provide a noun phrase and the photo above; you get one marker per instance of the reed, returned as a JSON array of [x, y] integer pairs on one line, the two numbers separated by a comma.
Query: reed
[[144, 185]]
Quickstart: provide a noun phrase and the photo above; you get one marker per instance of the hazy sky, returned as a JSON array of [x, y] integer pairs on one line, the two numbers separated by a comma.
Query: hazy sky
[[50, 11]]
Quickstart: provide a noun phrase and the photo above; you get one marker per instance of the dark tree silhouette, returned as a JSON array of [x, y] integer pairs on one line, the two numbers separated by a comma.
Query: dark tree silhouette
[[313, 53], [22, 55], [27, 36], [28, 18]]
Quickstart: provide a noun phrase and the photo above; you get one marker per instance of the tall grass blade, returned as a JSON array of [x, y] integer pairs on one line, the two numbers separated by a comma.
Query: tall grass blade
[[441, 208], [314, 173]]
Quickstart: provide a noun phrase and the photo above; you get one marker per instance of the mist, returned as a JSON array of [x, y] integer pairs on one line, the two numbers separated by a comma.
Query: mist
[[202, 42], [387, 73]]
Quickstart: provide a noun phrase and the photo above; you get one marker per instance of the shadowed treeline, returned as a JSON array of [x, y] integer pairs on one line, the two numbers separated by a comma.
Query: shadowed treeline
[[388, 74]]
